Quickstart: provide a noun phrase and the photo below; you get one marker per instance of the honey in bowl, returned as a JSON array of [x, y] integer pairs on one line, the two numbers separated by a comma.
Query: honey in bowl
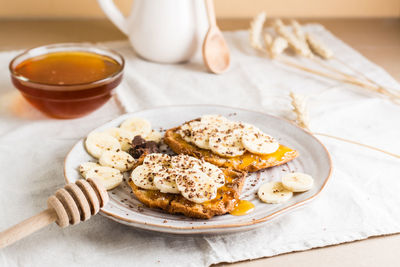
[[67, 80]]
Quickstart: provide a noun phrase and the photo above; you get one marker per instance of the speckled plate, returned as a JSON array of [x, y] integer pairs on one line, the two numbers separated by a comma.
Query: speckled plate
[[123, 207]]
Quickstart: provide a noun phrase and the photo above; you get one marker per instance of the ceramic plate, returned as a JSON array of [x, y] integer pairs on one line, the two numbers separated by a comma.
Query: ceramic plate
[[125, 208]]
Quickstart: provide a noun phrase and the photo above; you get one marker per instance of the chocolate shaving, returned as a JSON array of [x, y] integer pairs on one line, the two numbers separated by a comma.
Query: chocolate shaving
[[140, 146]]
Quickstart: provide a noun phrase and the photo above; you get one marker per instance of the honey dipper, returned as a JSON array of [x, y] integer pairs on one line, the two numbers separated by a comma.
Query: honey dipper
[[69, 205]]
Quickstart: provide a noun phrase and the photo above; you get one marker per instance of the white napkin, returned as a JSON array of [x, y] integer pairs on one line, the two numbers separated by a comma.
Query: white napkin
[[360, 201]]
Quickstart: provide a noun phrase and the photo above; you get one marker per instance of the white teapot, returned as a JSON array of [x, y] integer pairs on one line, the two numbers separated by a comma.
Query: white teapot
[[166, 31]]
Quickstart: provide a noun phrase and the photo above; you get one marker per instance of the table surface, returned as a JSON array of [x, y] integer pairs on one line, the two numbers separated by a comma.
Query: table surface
[[377, 39]]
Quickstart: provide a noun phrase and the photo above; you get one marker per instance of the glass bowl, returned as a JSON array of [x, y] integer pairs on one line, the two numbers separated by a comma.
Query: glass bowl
[[66, 100]]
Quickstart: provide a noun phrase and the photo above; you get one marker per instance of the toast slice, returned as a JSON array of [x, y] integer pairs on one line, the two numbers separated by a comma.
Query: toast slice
[[227, 196], [248, 162]]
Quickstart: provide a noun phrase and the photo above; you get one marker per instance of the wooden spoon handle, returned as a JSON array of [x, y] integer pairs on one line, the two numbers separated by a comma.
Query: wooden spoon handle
[[27, 227], [211, 13]]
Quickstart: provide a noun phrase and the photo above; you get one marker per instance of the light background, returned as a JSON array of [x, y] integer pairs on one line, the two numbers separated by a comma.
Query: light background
[[225, 8]]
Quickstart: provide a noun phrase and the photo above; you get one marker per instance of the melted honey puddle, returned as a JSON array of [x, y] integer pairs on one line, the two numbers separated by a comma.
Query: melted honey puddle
[[242, 207]]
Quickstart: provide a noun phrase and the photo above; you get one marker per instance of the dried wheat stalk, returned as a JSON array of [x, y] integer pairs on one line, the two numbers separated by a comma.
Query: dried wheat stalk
[[323, 51], [276, 46], [370, 85], [300, 109], [359, 144], [318, 47], [328, 75], [298, 32], [268, 39], [363, 75], [382, 91], [256, 28], [297, 45]]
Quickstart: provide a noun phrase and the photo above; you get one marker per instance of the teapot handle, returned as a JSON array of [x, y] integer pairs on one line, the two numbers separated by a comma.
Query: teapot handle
[[114, 14]]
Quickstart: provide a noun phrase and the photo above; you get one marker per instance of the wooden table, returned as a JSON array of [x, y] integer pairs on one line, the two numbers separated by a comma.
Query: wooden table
[[377, 39]]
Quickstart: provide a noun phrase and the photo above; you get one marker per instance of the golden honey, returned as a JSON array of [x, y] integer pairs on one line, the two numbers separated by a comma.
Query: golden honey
[[242, 207], [66, 84], [67, 68]]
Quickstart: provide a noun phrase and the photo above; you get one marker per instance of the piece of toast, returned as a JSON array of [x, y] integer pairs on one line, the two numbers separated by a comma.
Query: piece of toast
[[248, 162], [227, 196]]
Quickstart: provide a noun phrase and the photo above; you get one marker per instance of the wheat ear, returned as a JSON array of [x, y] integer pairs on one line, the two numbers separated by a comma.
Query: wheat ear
[[299, 47], [363, 75], [300, 109], [302, 48], [323, 51], [359, 144], [256, 28], [382, 91]]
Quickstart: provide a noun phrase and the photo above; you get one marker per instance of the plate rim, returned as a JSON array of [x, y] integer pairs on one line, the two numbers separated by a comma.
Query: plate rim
[[223, 226]]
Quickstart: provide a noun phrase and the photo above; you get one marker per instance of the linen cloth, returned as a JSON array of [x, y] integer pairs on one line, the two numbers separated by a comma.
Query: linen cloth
[[361, 199]]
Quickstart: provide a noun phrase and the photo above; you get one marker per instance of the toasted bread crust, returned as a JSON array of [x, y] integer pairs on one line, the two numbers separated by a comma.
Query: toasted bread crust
[[248, 162], [235, 171], [176, 204]]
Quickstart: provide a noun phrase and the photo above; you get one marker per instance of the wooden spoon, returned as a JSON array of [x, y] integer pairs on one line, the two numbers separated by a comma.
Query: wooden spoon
[[215, 50]]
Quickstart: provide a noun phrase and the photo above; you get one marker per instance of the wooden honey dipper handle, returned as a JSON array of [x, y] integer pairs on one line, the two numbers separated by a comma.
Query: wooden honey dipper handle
[[69, 205], [27, 227]]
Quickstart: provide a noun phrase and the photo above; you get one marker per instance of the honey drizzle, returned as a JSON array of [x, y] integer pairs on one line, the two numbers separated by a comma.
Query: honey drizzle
[[241, 162], [242, 207], [224, 193]]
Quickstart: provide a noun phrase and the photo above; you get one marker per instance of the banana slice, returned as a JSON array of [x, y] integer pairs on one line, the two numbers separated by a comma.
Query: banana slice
[[164, 176], [119, 160], [297, 182], [201, 133], [196, 187], [137, 126], [185, 132], [156, 159], [155, 136], [227, 143], [215, 174], [109, 177], [165, 180], [255, 141], [84, 167], [143, 177], [274, 193], [213, 119], [123, 136], [96, 143], [185, 163]]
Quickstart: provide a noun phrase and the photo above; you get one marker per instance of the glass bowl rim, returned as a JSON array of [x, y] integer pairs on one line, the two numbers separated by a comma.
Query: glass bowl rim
[[86, 47]]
